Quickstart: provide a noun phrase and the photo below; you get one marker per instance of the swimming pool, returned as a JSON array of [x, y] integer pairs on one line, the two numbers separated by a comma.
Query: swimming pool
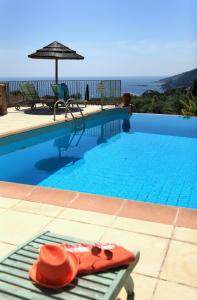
[[142, 157]]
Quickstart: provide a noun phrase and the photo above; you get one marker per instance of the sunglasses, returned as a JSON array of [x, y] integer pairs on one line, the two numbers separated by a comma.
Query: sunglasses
[[95, 250]]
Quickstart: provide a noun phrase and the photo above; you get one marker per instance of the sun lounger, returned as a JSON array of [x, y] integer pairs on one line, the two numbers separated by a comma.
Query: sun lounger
[[15, 284], [31, 97], [61, 92]]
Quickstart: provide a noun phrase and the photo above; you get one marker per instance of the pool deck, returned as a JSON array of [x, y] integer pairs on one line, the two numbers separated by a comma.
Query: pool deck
[[165, 236], [25, 119]]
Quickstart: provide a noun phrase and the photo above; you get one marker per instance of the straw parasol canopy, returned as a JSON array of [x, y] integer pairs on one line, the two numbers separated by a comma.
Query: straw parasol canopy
[[56, 51]]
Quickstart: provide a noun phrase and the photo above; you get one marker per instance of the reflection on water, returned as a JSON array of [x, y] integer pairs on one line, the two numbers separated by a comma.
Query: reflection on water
[[165, 125], [53, 164], [102, 138], [62, 143], [126, 125], [72, 146]]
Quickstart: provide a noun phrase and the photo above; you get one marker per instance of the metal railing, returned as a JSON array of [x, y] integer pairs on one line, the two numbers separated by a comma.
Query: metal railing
[[67, 108], [76, 89]]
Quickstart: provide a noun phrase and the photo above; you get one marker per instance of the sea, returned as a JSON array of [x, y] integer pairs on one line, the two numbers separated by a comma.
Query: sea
[[136, 85]]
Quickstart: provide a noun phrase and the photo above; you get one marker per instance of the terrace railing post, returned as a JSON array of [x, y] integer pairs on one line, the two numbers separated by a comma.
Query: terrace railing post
[[56, 71], [37, 87], [8, 92], [77, 88], [102, 95]]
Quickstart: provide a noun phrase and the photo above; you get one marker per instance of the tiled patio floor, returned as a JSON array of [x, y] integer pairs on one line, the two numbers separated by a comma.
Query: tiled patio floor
[[165, 236]]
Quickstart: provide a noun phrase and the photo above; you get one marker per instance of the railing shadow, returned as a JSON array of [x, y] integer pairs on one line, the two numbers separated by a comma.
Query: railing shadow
[[40, 111]]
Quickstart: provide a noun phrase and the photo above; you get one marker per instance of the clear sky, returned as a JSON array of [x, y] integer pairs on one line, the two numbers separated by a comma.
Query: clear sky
[[117, 37]]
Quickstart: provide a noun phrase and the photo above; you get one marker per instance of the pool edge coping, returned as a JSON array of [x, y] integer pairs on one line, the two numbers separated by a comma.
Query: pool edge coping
[[50, 123], [169, 215], [30, 128]]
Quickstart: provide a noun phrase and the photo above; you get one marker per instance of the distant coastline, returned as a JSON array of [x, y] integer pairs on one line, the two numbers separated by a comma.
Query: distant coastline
[[182, 80], [136, 85]]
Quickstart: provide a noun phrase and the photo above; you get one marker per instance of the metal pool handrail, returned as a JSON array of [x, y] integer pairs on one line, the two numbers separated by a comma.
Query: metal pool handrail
[[67, 108]]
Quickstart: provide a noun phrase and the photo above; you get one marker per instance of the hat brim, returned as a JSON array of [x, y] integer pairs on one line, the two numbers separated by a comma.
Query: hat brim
[[34, 274]]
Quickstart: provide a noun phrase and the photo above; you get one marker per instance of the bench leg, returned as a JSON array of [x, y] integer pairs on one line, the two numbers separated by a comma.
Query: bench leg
[[129, 286]]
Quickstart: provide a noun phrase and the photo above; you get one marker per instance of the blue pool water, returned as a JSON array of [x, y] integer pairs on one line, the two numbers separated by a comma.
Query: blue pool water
[[144, 157]]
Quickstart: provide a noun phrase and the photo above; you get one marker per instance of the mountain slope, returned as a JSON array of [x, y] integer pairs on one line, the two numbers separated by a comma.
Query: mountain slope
[[181, 80]]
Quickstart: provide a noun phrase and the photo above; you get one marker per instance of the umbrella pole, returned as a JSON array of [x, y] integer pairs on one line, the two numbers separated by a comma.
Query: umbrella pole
[[56, 71]]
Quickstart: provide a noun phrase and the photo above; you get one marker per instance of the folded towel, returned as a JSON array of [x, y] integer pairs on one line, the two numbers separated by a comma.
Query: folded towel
[[99, 257]]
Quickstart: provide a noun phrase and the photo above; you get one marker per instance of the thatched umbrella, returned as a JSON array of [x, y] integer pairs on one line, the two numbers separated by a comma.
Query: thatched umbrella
[[56, 51]]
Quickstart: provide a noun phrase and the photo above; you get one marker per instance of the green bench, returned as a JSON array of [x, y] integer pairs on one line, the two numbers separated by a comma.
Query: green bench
[[15, 284]]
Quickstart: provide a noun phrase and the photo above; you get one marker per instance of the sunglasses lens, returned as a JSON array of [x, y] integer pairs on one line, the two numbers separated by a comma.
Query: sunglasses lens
[[96, 250], [108, 254]]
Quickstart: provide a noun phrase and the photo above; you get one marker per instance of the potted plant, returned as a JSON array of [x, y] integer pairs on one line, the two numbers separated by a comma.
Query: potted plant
[[126, 99]]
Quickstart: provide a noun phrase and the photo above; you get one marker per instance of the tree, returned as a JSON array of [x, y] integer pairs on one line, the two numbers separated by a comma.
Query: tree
[[194, 88], [150, 93], [189, 106]]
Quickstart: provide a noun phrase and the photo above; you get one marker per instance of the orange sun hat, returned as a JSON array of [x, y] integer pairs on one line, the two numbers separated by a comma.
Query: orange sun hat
[[55, 267]]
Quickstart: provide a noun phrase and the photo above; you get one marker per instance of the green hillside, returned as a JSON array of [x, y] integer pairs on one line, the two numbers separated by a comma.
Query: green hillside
[[181, 80]]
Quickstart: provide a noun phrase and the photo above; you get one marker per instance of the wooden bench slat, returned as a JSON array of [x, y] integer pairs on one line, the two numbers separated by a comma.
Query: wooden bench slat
[[96, 278], [54, 240], [16, 292], [82, 282], [30, 261], [19, 283], [8, 297], [14, 271], [21, 258], [18, 265], [66, 238], [27, 253], [23, 274], [25, 267], [41, 241], [30, 249]]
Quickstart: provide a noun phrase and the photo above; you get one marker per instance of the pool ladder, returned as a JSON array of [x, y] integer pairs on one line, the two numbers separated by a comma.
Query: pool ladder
[[67, 108]]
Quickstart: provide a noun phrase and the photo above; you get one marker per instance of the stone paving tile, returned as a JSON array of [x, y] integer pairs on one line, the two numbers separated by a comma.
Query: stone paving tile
[[152, 249], [51, 196], [172, 291], [76, 229], [15, 190], [143, 287], [97, 203], [181, 263], [8, 202], [187, 218], [185, 234], [146, 227], [6, 248], [87, 217], [17, 227], [38, 208], [148, 212], [2, 210]]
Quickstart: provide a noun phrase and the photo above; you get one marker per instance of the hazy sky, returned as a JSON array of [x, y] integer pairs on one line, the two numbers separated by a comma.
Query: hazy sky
[[117, 37]]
